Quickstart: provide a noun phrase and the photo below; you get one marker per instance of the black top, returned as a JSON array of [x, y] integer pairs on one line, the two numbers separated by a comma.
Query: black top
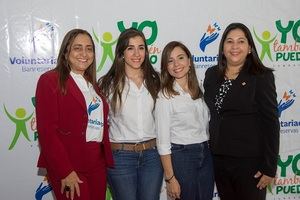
[[246, 124]]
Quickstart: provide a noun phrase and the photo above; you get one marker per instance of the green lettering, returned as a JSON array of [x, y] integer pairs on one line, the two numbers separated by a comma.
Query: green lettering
[[284, 30], [283, 165], [292, 55], [295, 168], [153, 26], [153, 59], [295, 31], [293, 189], [35, 136], [279, 56], [122, 28], [279, 189]]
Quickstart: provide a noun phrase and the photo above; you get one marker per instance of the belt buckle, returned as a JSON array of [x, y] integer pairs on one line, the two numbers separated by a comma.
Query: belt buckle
[[136, 149]]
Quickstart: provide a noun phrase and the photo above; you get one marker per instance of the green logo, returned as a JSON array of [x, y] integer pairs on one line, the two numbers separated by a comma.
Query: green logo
[[108, 193], [265, 42], [291, 26], [148, 25], [286, 47], [106, 44], [145, 24], [287, 183], [20, 121], [291, 161]]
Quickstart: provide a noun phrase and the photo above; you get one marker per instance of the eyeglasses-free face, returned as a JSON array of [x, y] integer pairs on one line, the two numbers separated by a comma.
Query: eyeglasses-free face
[[81, 54], [236, 48]]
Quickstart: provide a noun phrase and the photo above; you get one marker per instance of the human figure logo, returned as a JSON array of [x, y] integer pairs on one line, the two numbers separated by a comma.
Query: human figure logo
[[265, 42], [20, 121]]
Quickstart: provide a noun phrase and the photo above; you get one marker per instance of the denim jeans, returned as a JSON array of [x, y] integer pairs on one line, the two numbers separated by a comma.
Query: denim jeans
[[192, 165], [136, 176]]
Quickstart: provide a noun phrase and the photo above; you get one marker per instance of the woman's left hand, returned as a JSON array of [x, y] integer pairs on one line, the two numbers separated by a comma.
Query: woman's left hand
[[264, 180]]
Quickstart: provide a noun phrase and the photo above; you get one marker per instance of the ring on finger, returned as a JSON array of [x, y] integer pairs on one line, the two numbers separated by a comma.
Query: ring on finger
[[67, 188]]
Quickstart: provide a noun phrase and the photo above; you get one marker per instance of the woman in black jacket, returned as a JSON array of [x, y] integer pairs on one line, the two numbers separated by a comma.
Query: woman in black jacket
[[244, 127]]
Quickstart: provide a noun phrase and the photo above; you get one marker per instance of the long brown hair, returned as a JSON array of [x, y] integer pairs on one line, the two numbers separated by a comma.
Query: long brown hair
[[63, 68], [113, 81], [167, 80]]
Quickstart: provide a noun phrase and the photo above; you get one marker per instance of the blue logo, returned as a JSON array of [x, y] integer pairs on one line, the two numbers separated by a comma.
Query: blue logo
[[286, 101], [42, 190], [43, 31], [205, 60], [95, 103], [44, 34], [211, 34]]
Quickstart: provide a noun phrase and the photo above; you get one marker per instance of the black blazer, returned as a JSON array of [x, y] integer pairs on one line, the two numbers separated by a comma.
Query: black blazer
[[247, 125]]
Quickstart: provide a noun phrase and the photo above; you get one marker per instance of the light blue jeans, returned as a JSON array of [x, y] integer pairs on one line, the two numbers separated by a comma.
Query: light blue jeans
[[136, 176]]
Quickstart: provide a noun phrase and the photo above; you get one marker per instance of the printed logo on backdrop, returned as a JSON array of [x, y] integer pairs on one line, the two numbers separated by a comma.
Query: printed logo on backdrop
[[106, 43], [207, 38], [43, 33], [39, 56], [282, 47], [286, 101], [43, 189], [150, 30], [287, 182], [289, 126], [20, 120]]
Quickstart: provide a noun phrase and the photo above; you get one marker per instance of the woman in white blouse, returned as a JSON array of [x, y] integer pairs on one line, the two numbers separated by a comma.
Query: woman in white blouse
[[182, 123], [131, 86]]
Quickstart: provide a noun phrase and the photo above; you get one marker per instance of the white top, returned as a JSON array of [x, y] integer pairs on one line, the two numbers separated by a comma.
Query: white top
[[180, 120], [134, 122], [94, 131]]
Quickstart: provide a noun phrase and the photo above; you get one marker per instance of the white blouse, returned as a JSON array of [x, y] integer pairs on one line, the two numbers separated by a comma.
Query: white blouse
[[134, 122], [94, 104], [180, 120]]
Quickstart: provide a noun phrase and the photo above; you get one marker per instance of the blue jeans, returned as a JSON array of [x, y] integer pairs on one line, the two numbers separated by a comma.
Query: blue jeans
[[136, 176], [193, 168]]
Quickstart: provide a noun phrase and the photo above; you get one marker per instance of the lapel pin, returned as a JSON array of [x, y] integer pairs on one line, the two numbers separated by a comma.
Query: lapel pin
[[243, 83]]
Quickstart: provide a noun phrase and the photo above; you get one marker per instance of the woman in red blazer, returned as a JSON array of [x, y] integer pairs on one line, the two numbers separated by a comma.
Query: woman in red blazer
[[72, 122]]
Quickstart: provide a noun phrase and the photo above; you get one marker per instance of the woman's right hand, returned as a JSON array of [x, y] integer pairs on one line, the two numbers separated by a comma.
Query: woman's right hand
[[173, 188], [70, 185]]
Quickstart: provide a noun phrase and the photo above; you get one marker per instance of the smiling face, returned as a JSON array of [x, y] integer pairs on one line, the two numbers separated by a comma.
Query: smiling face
[[178, 64], [236, 48], [81, 54], [134, 54]]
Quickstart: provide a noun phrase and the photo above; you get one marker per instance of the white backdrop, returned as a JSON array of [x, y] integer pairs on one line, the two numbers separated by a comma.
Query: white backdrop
[[31, 32]]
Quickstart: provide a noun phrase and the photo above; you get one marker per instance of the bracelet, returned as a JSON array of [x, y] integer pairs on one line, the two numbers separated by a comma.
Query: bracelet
[[169, 179]]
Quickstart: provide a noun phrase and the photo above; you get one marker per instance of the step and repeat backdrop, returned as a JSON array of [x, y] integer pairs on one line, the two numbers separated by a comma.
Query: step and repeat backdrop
[[31, 32]]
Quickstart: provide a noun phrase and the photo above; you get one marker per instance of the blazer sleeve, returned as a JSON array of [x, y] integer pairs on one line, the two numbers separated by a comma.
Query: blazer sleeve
[[107, 148], [267, 108], [106, 143], [52, 150]]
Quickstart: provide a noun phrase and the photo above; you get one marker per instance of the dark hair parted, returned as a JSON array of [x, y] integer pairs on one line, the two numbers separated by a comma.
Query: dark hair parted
[[167, 80], [63, 67], [113, 82], [252, 63]]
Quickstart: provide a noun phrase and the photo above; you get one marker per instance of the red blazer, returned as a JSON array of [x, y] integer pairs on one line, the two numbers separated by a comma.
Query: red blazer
[[61, 124]]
